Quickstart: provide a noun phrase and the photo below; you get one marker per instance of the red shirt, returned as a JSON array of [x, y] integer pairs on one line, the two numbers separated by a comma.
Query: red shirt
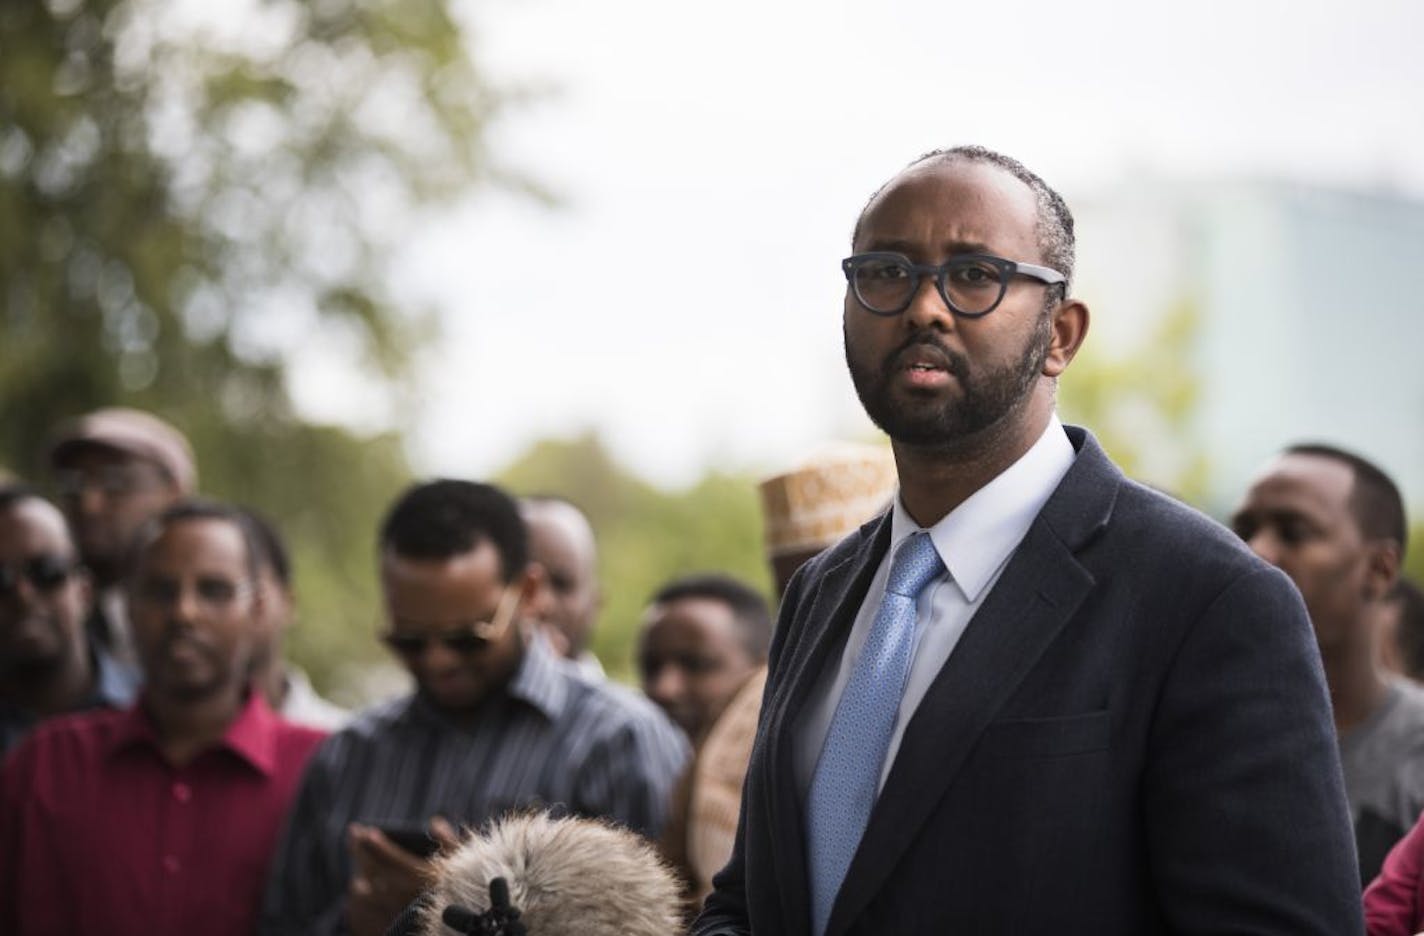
[[100, 834], [1394, 902]]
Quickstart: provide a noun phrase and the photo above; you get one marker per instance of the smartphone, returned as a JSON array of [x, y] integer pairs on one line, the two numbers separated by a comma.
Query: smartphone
[[415, 839]]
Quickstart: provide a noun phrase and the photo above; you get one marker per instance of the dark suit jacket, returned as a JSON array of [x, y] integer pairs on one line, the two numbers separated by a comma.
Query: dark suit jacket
[[1132, 737]]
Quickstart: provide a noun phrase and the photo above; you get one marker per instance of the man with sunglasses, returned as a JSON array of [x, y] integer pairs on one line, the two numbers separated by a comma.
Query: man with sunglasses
[[498, 721], [48, 664], [1033, 696], [161, 818]]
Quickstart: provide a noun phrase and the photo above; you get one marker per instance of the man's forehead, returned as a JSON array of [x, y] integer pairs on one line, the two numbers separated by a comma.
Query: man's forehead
[[481, 561], [970, 201], [203, 539], [1308, 480], [90, 452], [560, 531], [35, 520]]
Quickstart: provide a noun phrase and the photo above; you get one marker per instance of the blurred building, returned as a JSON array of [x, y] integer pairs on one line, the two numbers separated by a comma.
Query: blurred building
[[1310, 318]]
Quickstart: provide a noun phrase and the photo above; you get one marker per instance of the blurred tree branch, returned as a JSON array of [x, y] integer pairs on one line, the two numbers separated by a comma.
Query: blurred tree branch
[[189, 193]]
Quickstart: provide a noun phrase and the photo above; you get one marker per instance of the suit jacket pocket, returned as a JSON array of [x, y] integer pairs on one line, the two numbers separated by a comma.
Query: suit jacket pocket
[[1060, 736]]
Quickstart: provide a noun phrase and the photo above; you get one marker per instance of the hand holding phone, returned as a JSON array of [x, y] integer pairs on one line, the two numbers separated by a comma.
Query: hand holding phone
[[415, 839]]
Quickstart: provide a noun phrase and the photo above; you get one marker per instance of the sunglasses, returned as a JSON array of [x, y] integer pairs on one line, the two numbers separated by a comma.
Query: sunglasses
[[44, 573], [463, 639]]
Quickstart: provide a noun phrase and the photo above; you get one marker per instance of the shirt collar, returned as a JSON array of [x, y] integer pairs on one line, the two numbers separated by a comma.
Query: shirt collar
[[977, 537], [540, 679], [115, 684], [252, 736]]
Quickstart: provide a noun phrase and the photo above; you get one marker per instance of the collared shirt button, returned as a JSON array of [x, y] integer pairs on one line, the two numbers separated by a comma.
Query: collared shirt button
[[171, 864], [182, 792]]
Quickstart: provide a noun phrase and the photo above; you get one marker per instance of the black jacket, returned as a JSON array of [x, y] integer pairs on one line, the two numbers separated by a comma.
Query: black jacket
[[1132, 737]]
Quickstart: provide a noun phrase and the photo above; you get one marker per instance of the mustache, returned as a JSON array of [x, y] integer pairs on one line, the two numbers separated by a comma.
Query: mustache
[[954, 362], [173, 633]]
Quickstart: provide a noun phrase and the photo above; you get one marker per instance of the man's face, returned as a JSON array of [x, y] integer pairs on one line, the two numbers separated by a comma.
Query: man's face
[[107, 496], [560, 540], [435, 598], [692, 660], [926, 377], [42, 613], [193, 606], [1297, 516]]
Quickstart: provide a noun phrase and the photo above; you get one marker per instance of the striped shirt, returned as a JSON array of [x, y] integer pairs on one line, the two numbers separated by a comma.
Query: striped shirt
[[553, 738]]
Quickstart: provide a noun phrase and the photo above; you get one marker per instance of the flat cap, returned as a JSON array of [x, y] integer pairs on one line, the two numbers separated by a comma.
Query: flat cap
[[132, 432]]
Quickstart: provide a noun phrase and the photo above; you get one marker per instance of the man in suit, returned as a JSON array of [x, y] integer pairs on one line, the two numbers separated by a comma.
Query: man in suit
[[1033, 697]]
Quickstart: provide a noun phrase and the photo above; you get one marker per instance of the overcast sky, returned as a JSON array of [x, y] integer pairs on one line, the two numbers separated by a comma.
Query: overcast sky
[[685, 299]]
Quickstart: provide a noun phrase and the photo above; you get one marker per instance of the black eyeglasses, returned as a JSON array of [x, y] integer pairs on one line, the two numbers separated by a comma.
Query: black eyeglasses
[[46, 573], [111, 480], [213, 592], [972, 285], [465, 638]]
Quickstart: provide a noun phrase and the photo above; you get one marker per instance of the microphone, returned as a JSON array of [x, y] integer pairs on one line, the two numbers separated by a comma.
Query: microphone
[[568, 877], [501, 919], [460, 919]]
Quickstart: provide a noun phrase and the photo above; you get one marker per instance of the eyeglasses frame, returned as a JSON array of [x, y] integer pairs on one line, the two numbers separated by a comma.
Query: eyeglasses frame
[[1007, 270], [29, 569], [488, 631]]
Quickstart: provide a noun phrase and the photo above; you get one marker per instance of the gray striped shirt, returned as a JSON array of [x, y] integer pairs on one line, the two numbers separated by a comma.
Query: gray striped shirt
[[553, 738]]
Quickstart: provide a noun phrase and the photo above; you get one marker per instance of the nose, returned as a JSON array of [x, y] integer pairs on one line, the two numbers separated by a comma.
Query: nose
[[666, 685], [22, 595], [436, 657], [89, 500], [184, 609], [1264, 544], [927, 307]]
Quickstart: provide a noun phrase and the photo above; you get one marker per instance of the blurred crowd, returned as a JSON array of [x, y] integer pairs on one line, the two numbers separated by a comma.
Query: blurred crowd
[[165, 764]]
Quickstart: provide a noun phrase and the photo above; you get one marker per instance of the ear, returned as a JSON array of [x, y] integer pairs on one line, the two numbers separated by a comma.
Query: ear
[[259, 597], [1070, 327], [1382, 568], [532, 590]]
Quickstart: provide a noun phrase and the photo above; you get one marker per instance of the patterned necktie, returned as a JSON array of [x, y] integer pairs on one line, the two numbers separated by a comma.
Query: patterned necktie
[[847, 775]]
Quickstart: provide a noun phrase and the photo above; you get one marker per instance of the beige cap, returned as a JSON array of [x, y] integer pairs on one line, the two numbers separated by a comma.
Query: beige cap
[[826, 497], [133, 432]]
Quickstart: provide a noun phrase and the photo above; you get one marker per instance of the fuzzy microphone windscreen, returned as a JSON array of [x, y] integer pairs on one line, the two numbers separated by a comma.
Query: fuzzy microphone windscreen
[[566, 877]]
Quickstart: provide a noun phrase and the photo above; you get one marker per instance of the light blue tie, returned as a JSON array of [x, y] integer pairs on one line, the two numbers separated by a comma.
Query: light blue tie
[[847, 775]]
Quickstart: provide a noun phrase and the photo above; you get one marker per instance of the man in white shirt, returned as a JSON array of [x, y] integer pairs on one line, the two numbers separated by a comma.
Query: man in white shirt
[[1033, 697]]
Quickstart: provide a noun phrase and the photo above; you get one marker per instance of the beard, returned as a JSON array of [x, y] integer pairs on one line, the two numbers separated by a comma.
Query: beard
[[985, 398]]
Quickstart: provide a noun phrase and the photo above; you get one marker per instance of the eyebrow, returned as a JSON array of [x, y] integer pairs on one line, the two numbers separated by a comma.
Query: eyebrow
[[908, 247]]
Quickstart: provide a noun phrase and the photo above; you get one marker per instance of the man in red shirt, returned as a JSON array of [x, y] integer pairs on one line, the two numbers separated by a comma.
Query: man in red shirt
[[162, 818]]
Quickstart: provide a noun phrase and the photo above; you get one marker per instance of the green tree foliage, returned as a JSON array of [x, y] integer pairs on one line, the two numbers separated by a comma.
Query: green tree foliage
[[181, 208], [1141, 404], [1414, 554], [645, 535]]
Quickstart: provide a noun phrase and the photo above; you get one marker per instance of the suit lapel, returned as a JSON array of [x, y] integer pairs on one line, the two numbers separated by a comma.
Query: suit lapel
[[1039, 591], [827, 621]]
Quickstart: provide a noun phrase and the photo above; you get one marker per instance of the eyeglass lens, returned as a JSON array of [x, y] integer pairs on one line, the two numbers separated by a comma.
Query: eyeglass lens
[[110, 479], [45, 573], [461, 642], [210, 591], [970, 285]]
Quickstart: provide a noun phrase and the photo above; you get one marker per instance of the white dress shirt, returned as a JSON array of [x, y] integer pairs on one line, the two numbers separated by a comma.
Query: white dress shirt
[[975, 541]]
